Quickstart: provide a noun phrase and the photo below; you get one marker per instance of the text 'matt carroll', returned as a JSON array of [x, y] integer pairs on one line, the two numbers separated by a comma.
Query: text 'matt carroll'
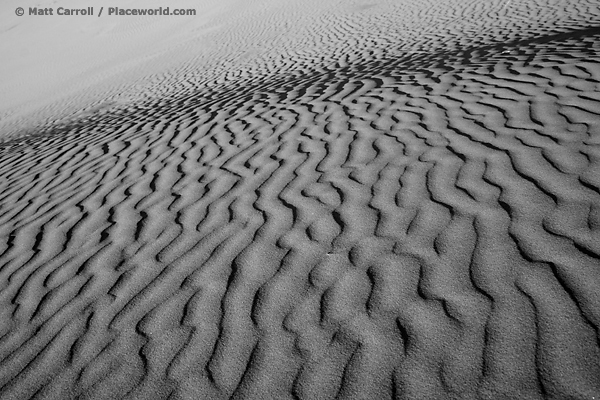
[[61, 11]]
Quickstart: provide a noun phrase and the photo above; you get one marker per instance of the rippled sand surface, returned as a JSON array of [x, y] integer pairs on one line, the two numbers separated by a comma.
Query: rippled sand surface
[[310, 200]]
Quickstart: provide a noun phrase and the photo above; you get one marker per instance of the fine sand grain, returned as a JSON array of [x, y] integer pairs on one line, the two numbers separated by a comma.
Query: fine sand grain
[[310, 199]]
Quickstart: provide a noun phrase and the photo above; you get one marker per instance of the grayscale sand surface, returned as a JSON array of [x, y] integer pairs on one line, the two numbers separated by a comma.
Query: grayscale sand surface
[[316, 199]]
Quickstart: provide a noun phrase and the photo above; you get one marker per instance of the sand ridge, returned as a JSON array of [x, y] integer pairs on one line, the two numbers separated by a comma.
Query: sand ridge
[[362, 209]]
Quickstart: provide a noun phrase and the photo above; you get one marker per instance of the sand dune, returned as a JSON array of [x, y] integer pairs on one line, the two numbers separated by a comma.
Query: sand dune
[[392, 199]]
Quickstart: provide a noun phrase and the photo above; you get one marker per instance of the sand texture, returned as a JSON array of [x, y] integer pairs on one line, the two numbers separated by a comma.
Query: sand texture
[[322, 200]]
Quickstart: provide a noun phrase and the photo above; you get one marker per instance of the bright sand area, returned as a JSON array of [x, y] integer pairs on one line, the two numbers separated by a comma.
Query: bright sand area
[[301, 200]]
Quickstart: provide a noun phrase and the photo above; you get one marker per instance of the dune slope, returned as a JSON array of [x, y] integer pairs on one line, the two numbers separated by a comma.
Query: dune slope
[[397, 200]]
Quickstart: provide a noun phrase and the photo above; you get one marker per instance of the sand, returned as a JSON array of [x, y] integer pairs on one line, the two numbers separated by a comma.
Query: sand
[[310, 200]]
